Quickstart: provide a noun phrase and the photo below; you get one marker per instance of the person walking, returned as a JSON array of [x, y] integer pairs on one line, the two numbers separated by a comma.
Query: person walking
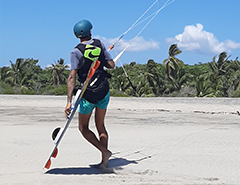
[[97, 94]]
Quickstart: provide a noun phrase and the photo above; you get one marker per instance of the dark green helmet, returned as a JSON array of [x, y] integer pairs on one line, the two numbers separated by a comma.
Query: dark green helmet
[[82, 28]]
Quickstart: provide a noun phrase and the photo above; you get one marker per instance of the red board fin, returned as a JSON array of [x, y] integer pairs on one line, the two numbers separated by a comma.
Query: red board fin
[[54, 155], [48, 164]]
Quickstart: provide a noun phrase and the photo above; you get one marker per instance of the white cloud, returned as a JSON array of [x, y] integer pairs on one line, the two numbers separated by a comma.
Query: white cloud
[[194, 38], [231, 45], [136, 45]]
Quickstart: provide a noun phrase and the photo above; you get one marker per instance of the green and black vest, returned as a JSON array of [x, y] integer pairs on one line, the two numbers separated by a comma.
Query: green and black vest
[[98, 86]]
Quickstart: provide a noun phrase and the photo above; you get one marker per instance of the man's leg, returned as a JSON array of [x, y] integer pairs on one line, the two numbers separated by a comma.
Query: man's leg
[[103, 135], [90, 136], [99, 120]]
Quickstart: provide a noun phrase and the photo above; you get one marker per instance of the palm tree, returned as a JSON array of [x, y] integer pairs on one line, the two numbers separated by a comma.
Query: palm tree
[[36, 79], [117, 80], [174, 69], [180, 79], [143, 87], [25, 76], [5, 75], [151, 76], [203, 87], [58, 76], [172, 63], [18, 72], [219, 74], [234, 73]]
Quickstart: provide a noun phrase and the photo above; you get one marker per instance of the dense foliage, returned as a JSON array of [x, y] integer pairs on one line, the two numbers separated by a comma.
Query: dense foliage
[[218, 78]]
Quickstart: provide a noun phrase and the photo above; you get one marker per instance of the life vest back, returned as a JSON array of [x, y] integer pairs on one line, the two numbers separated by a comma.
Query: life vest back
[[90, 54], [98, 86]]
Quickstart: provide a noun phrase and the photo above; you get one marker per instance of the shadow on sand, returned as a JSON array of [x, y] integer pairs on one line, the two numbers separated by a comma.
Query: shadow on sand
[[115, 163]]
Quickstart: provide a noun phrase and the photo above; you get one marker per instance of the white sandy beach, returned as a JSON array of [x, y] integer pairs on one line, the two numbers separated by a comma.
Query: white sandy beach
[[155, 141]]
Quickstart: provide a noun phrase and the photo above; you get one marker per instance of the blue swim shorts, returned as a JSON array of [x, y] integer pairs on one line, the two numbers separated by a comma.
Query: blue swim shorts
[[87, 107]]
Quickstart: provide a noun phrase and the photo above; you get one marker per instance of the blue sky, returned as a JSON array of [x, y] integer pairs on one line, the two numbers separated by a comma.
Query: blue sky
[[43, 29]]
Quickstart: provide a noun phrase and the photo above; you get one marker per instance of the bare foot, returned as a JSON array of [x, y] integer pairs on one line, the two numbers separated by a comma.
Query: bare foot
[[105, 157]]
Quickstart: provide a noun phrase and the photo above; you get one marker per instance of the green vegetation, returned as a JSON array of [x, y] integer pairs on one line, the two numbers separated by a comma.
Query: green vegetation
[[26, 77], [218, 78]]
